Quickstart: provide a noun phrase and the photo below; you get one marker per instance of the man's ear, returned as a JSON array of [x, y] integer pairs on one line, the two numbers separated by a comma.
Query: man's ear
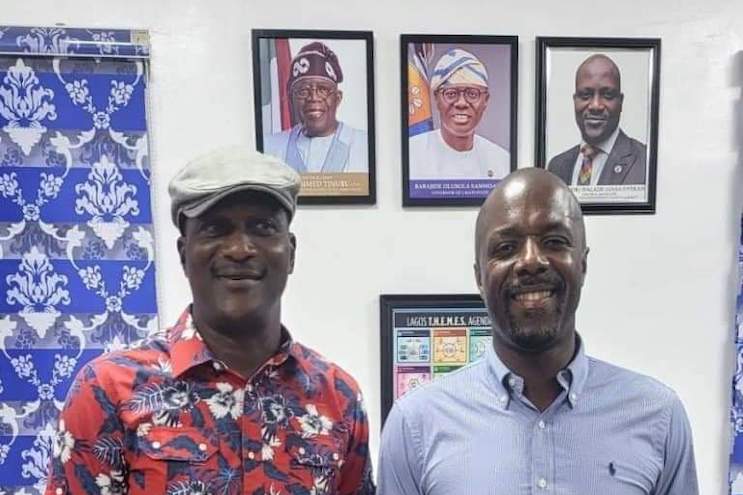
[[293, 243], [181, 245], [585, 261], [478, 281], [339, 94]]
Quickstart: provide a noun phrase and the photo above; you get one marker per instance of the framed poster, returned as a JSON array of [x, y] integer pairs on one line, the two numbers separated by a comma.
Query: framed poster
[[424, 337], [458, 116], [314, 109], [597, 119]]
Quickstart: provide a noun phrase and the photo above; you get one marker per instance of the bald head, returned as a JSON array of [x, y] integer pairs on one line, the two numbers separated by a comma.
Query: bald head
[[523, 187], [599, 63]]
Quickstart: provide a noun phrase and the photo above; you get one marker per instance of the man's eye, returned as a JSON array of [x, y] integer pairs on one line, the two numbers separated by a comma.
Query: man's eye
[[609, 95], [556, 242], [213, 229], [503, 249], [265, 227]]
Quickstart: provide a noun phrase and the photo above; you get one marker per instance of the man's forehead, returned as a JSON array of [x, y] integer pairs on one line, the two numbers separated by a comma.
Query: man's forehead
[[598, 68]]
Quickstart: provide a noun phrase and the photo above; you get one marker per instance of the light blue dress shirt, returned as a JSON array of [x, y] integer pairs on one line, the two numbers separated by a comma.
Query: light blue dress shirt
[[610, 432]]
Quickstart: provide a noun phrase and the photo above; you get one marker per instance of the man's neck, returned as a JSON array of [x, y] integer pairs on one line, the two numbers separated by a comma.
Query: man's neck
[[242, 347], [327, 132], [539, 370], [459, 143]]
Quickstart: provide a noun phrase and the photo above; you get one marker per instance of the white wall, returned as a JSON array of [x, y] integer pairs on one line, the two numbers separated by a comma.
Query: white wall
[[660, 289]]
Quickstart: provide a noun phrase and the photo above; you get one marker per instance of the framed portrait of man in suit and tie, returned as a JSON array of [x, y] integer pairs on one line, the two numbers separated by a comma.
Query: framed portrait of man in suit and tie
[[597, 119]]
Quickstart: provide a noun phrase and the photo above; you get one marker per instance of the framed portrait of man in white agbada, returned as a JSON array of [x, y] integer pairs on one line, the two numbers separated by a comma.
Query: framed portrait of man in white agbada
[[314, 109], [597, 119], [458, 116]]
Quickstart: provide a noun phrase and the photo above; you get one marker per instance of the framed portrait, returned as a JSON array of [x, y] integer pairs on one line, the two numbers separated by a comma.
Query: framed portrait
[[424, 337], [597, 119], [458, 116], [314, 109]]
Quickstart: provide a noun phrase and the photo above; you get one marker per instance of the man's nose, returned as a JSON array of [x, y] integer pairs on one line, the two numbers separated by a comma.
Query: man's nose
[[596, 103], [531, 259], [461, 101], [239, 246]]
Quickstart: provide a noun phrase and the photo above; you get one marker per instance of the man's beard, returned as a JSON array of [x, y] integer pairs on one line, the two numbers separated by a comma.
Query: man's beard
[[537, 331]]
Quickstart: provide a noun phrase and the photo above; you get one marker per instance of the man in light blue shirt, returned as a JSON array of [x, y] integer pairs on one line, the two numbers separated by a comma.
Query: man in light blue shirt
[[536, 415]]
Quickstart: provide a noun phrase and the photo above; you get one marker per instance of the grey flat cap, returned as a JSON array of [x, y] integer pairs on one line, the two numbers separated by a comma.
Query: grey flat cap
[[210, 177]]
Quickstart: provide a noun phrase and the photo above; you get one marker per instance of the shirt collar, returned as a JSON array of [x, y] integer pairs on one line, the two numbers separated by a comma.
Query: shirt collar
[[607, 144], [572, 378], [188, 349]]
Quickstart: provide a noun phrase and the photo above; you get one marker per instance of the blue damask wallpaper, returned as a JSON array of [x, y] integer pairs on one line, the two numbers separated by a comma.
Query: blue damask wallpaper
[[736, 414], [77, 273]]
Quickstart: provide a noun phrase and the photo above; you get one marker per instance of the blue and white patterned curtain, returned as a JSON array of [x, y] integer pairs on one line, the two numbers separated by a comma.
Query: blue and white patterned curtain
[[736, 414], [77, 274]]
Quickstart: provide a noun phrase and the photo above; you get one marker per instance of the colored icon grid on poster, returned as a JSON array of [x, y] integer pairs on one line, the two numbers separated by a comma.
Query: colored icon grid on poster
[[425, 354]]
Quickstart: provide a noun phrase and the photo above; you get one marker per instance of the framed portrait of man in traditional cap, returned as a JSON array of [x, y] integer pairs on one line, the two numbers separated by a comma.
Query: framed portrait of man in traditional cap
[[314, 109], [597, 119], [459, 96]]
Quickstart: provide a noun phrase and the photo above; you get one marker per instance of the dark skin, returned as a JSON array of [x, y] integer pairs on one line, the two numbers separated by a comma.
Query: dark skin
[[460, 117], [598, 98], [530, 264], [317, 109], [237, 257]]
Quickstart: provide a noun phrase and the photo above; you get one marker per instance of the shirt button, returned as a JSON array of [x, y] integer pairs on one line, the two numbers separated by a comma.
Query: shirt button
[[59, 491], [503, 399], [251, 456], [335, 457], [155, 445], [512, 381], [202, 447], [217, 366], [541, 424], [573, 397], [301, 450], [542, 483]]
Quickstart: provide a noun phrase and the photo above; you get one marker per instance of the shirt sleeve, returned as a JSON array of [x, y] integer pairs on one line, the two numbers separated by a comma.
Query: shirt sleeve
[[356, 471], [399, 460], [87, 453], [679, 476]]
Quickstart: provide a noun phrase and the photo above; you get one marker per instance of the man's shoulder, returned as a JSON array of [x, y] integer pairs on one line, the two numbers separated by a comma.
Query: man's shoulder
[[636, 146], [631, 384], [275, 140], [150, 352], [422, 139], [454, 386], [567, 156], [316, 364]]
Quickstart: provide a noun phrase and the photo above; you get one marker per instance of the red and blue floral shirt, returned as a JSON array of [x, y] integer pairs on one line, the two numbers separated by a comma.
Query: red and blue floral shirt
[[169, 418]]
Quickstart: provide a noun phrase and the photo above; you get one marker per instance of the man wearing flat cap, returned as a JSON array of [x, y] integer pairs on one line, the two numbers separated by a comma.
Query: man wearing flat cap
[[224, 402], [460, 87], [319, 142]]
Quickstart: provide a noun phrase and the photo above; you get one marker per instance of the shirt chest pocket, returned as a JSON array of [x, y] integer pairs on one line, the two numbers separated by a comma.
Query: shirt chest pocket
[[630, 479], [314, 463], [166, 457]]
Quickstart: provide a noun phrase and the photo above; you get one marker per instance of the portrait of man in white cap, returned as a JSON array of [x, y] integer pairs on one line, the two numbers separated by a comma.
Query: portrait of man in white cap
[[319, 141], [459, 87]]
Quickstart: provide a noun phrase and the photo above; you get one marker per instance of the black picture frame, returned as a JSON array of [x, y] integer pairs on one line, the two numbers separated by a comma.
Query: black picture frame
[[422, 182], [343, 187], [627, 181], [412, 311]]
